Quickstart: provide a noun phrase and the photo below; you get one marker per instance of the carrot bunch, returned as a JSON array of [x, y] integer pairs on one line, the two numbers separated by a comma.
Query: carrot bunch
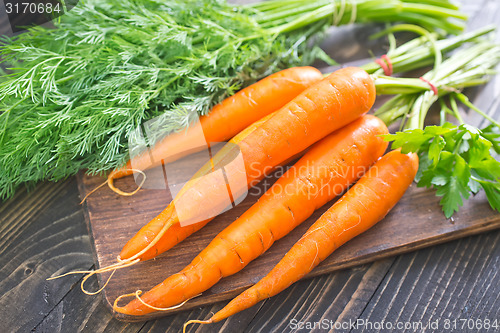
[[226, 119], [319, 110], [366, 203], [325, 106], [326, 170], [330, 166], [328, 120], [344, 144]]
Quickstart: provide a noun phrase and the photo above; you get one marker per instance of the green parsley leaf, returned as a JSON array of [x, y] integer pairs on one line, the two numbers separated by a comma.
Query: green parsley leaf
[[435, 149], [492, 134], [455, 160], [408, 141], [492, 191], [456, 187]]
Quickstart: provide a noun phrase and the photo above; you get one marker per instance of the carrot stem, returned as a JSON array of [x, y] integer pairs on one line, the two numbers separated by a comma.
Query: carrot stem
[[286, 16]]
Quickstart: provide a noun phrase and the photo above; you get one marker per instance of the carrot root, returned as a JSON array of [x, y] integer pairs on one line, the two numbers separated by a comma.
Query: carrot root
[[95, 189], [91, 293], [137, 294], [121, 263], [113, 268], [194, 321], [111, 185]]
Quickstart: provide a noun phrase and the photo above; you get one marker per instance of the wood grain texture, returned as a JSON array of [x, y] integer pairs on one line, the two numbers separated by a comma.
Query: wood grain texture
[[40, 235], [87, 313], [341, 296], [458, 279]]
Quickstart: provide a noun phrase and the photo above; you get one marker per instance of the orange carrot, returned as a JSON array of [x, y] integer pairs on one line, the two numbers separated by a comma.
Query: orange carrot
[[227, 118], [257, 100], [177, 233], [324, 172], [359, 209], [322, 108]]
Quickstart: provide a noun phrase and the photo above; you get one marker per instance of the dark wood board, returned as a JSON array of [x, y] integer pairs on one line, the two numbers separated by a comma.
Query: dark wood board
[[43, 232], [414, 223]]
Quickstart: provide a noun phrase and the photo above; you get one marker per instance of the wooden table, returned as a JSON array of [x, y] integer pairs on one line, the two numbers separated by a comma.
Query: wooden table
[[44, 231]]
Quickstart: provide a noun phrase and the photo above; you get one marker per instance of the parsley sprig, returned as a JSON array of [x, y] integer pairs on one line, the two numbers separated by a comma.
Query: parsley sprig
[[456, 161]]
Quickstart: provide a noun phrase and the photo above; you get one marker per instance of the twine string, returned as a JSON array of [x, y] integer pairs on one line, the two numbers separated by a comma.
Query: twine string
[[386, 64], [433, 87]]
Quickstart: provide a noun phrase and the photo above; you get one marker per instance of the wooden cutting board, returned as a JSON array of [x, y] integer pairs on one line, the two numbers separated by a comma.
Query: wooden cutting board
[[414, 223]]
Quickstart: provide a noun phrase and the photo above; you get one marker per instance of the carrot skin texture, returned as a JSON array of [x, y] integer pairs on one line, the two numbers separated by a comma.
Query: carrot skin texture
[[177, 233], [326, 170], [366, 203], [319, 110], [230, 117]]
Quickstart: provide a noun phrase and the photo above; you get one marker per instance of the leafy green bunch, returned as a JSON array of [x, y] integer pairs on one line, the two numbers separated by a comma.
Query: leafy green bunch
[[456, 161], [72, 96]]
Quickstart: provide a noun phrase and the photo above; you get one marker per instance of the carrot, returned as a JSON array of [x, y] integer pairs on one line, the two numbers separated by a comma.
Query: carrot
[[226, 119], [271, 93], [324, 172], [322, 108], [359, 209], [177, 233]]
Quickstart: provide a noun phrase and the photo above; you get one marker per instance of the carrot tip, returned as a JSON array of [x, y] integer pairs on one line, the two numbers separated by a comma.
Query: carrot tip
[[115, 303], [86, 277], [113, 268], [137, 294], [194, 321], [88, 194], [112, 186], [163, 309]]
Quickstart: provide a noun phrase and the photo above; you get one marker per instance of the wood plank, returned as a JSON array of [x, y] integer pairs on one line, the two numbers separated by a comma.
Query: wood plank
[[341, 296], [67, 315], [41, 234], [175, 323], [458, 281], [414, 223]]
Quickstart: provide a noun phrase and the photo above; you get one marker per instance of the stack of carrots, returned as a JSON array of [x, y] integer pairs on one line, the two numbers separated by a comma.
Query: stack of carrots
[[323, 119]]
